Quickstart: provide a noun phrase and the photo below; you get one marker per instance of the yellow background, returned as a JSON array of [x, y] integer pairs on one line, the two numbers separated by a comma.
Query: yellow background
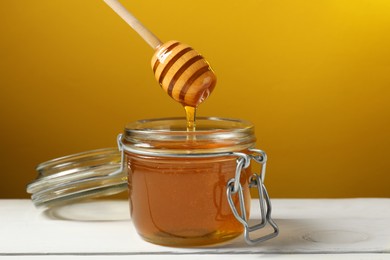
[[313, 76]]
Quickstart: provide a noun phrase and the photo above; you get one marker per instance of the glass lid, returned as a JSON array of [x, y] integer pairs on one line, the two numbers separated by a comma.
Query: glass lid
[[83, 175]]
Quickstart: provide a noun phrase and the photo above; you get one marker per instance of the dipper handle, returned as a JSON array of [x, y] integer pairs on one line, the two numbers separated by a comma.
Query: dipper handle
[[131, 20]]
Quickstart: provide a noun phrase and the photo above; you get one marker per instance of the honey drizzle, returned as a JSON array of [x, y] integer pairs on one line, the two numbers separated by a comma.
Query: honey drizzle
[[191, 118]]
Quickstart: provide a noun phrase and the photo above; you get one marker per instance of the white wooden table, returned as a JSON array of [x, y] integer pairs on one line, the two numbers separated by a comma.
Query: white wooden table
[[309, 228]]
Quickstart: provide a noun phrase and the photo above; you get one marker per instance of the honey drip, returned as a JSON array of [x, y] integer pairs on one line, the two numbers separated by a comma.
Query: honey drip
[[191, 118]]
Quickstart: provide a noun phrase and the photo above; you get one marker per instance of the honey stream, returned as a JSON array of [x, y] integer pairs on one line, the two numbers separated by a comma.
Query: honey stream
[[191, 118]]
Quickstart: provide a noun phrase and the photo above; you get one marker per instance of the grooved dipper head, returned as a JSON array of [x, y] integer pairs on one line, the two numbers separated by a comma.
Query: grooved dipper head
[[183, 73]]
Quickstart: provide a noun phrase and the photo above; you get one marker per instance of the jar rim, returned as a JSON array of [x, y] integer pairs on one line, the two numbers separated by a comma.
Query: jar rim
[[179, 125], [170, 135]]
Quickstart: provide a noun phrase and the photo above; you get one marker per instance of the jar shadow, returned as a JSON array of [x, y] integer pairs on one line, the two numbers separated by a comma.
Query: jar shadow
[[303, 236], [93, 210]]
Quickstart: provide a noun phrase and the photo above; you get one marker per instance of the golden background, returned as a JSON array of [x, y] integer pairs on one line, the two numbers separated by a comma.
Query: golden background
[[313, 76]]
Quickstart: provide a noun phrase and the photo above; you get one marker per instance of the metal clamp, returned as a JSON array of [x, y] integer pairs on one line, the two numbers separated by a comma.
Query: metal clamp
[[255, 181], [121, 150]]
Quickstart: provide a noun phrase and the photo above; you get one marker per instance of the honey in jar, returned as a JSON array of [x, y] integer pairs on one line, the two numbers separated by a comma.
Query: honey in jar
[[177, 179]]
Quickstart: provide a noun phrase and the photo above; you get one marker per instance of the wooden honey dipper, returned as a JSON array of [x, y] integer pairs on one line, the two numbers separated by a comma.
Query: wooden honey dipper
[[180, 70]]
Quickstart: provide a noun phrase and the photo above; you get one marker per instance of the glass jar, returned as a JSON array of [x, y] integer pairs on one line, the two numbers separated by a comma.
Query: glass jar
[[186, 188], [190, 188]]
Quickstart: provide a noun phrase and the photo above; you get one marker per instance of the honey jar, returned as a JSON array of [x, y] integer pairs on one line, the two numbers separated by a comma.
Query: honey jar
[[191, 188], [186, 188]]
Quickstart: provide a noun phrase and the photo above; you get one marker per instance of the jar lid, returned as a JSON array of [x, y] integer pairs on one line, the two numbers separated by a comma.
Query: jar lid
[[83, 175]]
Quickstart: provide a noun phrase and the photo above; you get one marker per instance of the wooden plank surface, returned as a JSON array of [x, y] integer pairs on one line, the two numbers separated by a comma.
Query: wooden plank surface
[[101, 228], [369, 256]]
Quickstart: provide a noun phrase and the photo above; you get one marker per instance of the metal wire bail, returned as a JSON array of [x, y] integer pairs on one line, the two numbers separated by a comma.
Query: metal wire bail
[[121, 150], [256, 181]]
